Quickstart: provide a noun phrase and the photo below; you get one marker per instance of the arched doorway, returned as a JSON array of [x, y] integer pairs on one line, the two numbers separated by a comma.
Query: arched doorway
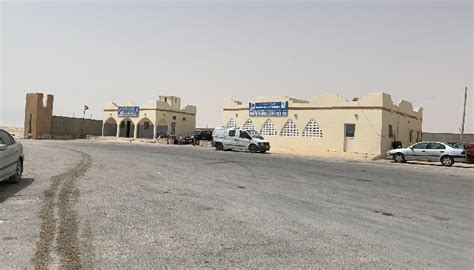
[[162, 128], [127, 128], [145, 129], [109, 128]]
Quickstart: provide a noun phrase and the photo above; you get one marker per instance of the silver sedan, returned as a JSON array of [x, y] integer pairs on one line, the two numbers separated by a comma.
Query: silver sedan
[[428, 151], [11, 158]]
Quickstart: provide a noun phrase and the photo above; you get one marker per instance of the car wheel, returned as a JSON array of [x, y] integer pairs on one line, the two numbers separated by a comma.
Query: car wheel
[[219, 146], [447, 161], [253, 148], [19, 171], [399, 157]]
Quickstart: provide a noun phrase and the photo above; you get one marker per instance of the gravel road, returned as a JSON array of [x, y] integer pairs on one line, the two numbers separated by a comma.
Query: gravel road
[[110, 205]]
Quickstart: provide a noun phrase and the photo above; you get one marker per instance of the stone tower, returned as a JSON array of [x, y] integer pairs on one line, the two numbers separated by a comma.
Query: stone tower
[[38, 115]]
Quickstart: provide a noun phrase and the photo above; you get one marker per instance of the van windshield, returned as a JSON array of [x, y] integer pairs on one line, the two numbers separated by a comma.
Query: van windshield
[[255, 134]]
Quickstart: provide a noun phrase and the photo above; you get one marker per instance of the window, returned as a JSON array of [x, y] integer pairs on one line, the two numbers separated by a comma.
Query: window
[[232, 133], [289, 129], [350, 130], [268, 128], [231, 124], [411, 135], [436, 146], [184, 118], [5, 138], [146, 125], [249, 125], [420, 146], [312, 130], [244, 135], [390, 131], [174, 117], [122, 124]]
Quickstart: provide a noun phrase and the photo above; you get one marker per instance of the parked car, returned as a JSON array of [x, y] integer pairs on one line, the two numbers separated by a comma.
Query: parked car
[[429, 151], [11, 158], [468, 149], [203, 134], [239, 139]]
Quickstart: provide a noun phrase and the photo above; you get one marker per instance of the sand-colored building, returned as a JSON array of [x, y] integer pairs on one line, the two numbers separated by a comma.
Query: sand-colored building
[[329, 122], [156, 118]]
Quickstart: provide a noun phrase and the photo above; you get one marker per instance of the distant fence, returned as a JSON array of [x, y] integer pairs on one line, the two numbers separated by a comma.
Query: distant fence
[[67, 128], [447, 137]]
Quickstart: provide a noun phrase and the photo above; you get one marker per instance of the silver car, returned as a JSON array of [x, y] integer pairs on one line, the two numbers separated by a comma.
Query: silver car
[[11, 158], [428, 151]]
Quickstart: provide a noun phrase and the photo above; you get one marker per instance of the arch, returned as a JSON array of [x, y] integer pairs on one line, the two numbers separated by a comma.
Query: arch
[[249, 125], [289, 129], [110, 127], [231, 123], [145, 128], [127, 128], [162, 128], [312, 130], [268, 128]]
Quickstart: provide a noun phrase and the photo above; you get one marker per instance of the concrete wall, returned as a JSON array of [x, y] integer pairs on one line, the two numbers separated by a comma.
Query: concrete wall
[[64, 128], [447, 137], [371, 115], [38, 113]]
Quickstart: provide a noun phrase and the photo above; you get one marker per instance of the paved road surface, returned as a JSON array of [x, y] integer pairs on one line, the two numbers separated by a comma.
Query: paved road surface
[[115, 205]]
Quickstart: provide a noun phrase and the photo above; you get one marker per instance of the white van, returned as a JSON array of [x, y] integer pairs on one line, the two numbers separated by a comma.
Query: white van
[[239, 139]]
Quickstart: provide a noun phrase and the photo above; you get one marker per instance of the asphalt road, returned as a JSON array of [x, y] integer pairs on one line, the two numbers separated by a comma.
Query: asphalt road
[[115, 205]]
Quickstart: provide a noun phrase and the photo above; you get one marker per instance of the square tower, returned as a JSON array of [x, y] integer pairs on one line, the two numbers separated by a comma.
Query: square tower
[[38, 115]]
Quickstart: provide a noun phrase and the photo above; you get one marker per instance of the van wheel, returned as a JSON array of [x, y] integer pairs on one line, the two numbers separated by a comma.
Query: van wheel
[[399, 157], [19, 171], [447, 161], [253, 148], [219, 146]]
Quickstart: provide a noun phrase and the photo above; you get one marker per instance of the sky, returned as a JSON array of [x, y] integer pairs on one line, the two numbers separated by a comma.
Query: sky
[[94, 52]]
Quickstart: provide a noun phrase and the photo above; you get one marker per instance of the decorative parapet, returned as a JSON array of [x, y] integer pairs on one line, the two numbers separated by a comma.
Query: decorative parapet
[[153, 105]]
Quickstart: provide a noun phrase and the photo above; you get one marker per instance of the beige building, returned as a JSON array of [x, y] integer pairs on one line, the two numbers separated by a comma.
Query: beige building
[[163, 117], [329, 122]]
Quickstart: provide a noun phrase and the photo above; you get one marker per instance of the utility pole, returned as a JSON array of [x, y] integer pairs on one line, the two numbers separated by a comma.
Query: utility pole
[[464, 114]]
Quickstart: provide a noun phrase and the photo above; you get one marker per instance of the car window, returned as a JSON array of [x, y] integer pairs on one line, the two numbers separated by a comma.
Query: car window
[[244, 135], [5, 138], [436, 146], [232, 133], [420, 146]]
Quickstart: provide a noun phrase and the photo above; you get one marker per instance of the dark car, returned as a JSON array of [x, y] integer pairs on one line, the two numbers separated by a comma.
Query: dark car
[[203, 134]]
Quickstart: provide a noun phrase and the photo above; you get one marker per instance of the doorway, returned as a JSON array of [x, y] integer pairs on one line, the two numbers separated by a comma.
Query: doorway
[[349, 135]]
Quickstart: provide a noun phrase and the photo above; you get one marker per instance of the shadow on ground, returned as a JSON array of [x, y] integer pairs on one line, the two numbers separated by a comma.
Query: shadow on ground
[[9, 189]]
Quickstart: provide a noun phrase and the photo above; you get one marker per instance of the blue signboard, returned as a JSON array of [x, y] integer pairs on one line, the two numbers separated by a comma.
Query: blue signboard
[[268, 108], [128, 111]]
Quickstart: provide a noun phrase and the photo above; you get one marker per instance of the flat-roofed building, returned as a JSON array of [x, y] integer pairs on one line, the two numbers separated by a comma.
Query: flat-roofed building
[[329, 122], [156, 118]]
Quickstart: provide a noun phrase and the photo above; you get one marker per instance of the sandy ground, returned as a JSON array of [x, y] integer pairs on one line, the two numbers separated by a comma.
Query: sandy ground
[[15, 131]]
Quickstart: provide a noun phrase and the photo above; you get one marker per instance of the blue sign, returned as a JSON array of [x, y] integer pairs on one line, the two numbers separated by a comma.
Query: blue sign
[[128, 111], [268, 108]]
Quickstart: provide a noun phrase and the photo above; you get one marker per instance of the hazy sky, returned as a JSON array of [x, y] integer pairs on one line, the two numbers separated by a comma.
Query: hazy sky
[[92, 52]]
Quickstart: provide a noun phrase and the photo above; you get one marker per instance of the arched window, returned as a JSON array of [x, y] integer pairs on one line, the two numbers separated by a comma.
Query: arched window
[[289, 129], [411, 135], [231, 124], [312, 130], [268, 128], [249, 125]]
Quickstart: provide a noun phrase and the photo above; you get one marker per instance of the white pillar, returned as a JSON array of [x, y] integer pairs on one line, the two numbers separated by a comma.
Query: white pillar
[[135, 131], [118, 130]]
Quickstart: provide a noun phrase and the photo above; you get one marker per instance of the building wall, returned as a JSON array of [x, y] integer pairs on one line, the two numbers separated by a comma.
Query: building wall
[[38, 113], [74, 128], [370, 114], [447, 137], [161, 114]]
